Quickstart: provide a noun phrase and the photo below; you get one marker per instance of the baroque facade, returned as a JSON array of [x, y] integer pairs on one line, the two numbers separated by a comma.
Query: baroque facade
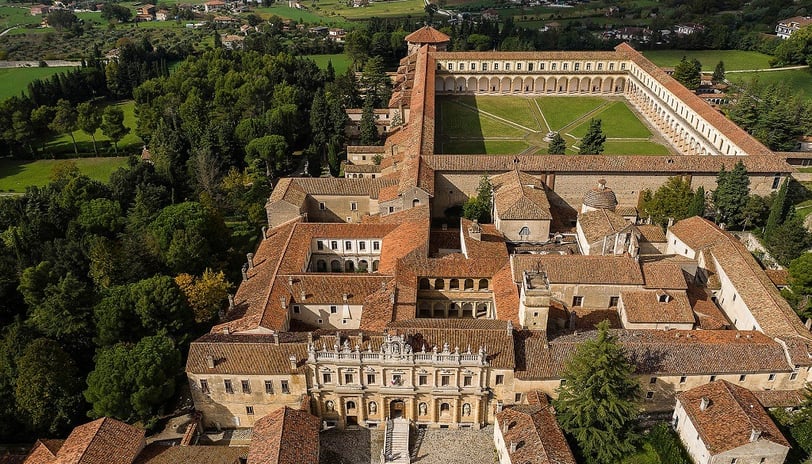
[[360, 305]]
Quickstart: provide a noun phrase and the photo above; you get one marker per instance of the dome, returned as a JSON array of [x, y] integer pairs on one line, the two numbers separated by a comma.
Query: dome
[[600, 197]]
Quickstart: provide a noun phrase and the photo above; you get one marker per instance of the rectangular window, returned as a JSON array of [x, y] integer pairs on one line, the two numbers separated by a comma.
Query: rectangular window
[[652, 380], [467, 381], [507, 66], [473, 66], [496, 66], [347, 378], [742, 377], [611, 66], [649, 395], [517, 398], [376, 246], [518, 66], [613, 300], [334, 245], [589, 66], [450, 66], [249, 410], [296, 309], [285, 387], [229, 387], [683, 379], [794, 374], [484, 66], [734, 460], [565, 66], [600, 66], [347, 245], [577, 301], [422, 380], [397, 379], [500, 379], [333, 309], [445, 380], [204, 385], [246, 386], [577, 66], [552, 66], [776, 181], [712, 378], [529, 66], [362, 245], [321, 321], [326, 377], [771, 377], [269, 387], [322, 206], [353, 206], [319, 245], [541, 66], [370, 379], [622, 66]]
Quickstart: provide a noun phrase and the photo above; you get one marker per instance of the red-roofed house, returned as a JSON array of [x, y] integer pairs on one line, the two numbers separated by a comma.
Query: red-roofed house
[[103, 441]]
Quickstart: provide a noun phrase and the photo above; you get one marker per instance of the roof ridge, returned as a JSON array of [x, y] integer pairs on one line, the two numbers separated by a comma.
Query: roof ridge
[[95, 434]]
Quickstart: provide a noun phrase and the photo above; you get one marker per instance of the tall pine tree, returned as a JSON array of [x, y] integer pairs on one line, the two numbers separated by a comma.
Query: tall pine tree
[[730, 196], [557, 145], [597, 405], [778, 210], [592, 143]]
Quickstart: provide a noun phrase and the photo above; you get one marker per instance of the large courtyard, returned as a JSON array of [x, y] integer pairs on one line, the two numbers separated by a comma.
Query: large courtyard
[[510, 125]]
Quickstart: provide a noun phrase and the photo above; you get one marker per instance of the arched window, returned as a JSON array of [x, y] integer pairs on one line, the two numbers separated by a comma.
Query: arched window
[[335, 266], [349, 266], [469, 284], [439, 284], [483, 284], [350, 405], [321, 266], [424, 284], [415, 203], [363, 265], [454, 284], [525, 231], [375, 266], [373, 408], [445, 409]]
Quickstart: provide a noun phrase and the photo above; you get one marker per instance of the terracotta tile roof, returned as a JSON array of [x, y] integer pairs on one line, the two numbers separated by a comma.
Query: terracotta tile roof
[[708, 315], [530, 56], [779, 277], [342, 186], [730, 417], [644, 307], [331, 288], [781, 398], [755, 164], [772, 313], [285, 436], [506, 295], [651, 233], [44, 452], [579, 269], [626, 210], [734, 133], [520, 196], [244, 354], [388, 193], [672, 352], [366, 149], [288, 190], [664, 274], [534, 430], [362, 168], [427, 35], [601, 223], [156, 453], [103, 441], [490, 246]]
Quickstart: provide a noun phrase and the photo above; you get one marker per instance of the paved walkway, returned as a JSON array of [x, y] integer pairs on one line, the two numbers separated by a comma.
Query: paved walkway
[[785, 68]]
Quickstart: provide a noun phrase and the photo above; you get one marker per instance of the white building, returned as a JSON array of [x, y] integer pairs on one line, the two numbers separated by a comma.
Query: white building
[[786, 27]]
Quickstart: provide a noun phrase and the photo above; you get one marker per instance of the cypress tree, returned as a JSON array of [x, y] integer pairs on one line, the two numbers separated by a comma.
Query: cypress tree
[[778, 210], [592, 143], [697, 207], [557, 146]]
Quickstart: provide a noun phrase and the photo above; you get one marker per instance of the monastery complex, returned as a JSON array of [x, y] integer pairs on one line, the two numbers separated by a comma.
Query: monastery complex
[[362, 304]]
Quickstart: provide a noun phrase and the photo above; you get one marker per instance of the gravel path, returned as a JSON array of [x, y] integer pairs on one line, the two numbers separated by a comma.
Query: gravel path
[[361, 446], [447, 446]]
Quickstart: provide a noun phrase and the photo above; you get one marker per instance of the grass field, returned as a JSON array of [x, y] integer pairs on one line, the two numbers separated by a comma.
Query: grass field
[[63, 144], [376, 8], [733, 59], [16, 175], [13, 81], [340, 62], [512, 124], [798, 80], [12, 16]]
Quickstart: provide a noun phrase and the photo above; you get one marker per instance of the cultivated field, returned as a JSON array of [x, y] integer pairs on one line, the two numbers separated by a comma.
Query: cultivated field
[[16, 175], [512, 124], [340, 62], [798, 80], [14, 81], [733, 59]]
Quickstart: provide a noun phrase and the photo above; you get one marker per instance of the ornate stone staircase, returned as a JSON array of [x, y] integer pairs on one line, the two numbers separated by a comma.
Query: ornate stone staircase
[[396, 442]]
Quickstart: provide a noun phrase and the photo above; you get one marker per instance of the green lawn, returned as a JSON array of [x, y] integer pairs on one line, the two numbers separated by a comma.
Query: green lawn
[[62, 144], [12, 16], [798, 80], [646, 455], [617, 121], [286, 12], [515, 109], [377, 8], [457, 120], [561, 111], [340, 62], [733, 59], [16, 175], [13, 81]]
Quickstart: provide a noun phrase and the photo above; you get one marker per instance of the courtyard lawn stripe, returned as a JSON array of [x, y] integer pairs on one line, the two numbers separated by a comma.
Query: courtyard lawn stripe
[[561, 111], [617, 121]]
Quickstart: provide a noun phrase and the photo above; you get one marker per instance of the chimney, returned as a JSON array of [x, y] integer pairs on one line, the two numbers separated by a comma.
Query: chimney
[[510, 327], [475, 231], [210, 361], [264, 232], [290, 281], [345, 297], [755, 434], [250, 257], [275, 338], [704, 403], [601, 184], [292, 360], [230, 301], [302, 295], [244, 272], [284, 302], [808, 324], [225, 330], [513, 446]]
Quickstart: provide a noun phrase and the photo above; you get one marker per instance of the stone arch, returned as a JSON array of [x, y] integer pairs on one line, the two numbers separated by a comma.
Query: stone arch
[[550, 85], [321, 266], [335, 266], [584, 87], [467, 310], [539, 85], [483, 284], [469, 284], [620, 84], [505, 84], [439, 284], [608, 84], [349, 266], [438, 310], [472, 84], [494, 84], [596, 84], [424, 309], [449, 84], [481, 310], [350, 405], [439, 84], [454, 284], [363, 265], [572, 85], [529, 84], [517, 84], [375, 264], [445, 409], [424, 284], [460, 85], [483, 84], [561, 84]]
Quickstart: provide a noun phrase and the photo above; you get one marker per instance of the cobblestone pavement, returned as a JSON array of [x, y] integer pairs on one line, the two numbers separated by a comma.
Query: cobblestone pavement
[[362, 446], [446, 446]]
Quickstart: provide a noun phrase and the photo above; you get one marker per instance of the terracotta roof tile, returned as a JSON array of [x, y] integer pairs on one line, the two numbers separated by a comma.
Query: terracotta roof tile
[[244, 354], [343, 186], [781, 398], [103, 441], [427, 35], [651, 233], [619, 270], [44, 452], [645, 307], [288, 190], [730, 417], [664, 274], [156, 453], [601, 223], [530, 56], [520, 196], [285, 436], [534, 430]]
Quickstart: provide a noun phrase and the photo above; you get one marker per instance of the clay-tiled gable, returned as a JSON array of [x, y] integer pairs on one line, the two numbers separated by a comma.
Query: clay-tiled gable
[[156, 453], [736, 134], [244, 354], [378, 308], [664, 274], [731, 415], [779, 277], [103, 441], [708, 315], [331, 288], [427, 35], [673, 352], [366, 149], [343, 186], [697, 232], [651, 233], [645, 307], [536, 433], [520, 196], [607, 164], [288, 190], [600, 223], [599, 270], [491, 245], [285, 436], [506, 295], [781, 398]]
